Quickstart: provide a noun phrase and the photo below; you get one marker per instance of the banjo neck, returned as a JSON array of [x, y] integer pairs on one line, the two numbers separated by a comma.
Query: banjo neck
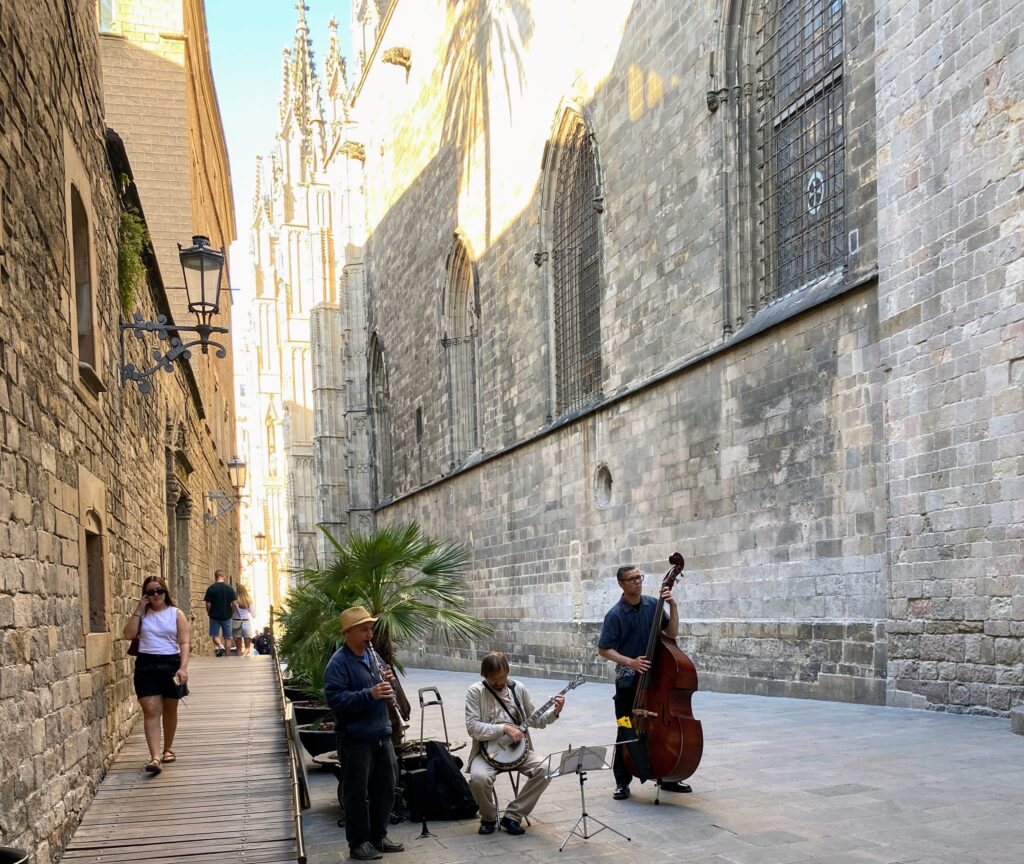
[[540, 712]]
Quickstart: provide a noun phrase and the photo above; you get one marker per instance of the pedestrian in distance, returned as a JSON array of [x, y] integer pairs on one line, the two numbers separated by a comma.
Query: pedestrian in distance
[[242, 621], [219, 599], [161, 665]]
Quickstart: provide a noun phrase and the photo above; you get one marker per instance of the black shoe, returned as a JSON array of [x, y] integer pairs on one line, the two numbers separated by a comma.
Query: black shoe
[[387, 845], [675, 786], [510, 826], [486, 827], [365, 852], [621, 793], [219, 652]]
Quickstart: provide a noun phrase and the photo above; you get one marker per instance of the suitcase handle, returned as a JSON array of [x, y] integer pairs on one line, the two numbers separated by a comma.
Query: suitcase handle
[[425, 703], [435, 701]]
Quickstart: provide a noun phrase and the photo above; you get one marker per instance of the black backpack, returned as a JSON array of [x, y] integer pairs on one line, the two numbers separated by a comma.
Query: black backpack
[[441, 790]]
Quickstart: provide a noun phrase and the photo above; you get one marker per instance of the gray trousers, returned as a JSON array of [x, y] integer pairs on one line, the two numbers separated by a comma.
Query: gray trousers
[[481, 784]]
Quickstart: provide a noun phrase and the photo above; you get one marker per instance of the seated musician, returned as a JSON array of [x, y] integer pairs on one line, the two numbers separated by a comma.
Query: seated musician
[[496, 707]]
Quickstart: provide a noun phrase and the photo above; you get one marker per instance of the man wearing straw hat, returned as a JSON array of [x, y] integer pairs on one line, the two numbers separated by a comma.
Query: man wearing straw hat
[[359, 698]]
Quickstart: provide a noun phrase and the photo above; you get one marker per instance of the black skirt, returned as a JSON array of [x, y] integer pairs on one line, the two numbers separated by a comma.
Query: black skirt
[[154, 675]]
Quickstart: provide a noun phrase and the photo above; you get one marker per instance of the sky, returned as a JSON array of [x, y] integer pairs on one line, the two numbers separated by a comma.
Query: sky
[[246, 38]]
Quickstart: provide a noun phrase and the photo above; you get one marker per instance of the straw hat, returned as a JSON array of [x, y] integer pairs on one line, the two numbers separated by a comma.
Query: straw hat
[[354, 616]]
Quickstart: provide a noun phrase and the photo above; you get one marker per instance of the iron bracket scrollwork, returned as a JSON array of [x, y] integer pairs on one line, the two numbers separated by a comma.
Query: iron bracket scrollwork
[[178, 349], [222, 502]]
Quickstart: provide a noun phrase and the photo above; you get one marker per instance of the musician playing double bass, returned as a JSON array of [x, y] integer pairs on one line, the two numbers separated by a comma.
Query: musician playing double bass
[[623, 640], [495, 707]]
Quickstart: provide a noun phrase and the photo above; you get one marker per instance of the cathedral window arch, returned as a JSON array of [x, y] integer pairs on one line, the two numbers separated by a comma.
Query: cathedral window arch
[[804, 149], [380, 418], [573, 202], [461, 345], [781, 94]]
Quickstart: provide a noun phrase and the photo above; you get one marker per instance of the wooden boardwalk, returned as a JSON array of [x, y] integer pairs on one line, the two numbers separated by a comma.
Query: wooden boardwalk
[[229, 795]]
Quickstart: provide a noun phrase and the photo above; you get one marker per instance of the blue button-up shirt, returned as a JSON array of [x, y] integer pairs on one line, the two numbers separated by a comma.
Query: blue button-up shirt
[[347, 683], [626, 629]]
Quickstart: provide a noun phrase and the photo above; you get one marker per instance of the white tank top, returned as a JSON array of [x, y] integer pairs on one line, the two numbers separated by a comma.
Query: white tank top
[[159, 633]]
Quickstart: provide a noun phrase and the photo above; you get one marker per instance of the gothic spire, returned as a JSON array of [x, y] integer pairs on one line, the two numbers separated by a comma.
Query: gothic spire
[[304, 93]]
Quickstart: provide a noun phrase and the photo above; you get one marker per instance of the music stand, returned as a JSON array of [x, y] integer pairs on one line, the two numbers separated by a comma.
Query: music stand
[[578, 761]]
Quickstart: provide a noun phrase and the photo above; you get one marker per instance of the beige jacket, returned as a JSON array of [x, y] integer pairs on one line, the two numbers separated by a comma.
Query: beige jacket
[[486, 718]]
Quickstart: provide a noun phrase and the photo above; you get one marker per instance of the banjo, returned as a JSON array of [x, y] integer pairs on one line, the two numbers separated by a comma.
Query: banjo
[[506, 756]]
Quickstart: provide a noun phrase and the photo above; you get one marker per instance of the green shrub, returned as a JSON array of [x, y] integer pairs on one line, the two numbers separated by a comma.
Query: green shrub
[[132, 239]]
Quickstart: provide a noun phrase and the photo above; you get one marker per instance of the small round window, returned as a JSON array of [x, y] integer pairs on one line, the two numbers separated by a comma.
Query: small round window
[[603, 487]]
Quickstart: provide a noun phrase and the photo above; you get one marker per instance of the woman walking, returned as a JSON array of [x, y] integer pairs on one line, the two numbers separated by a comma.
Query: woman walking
[[161, 664], [242, 621]]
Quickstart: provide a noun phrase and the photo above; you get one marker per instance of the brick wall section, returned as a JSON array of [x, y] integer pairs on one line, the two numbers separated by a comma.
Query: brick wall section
[[952, 309], [65, 708]]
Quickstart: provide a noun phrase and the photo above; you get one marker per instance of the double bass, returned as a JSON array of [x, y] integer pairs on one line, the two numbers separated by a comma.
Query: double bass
[[669, 740]]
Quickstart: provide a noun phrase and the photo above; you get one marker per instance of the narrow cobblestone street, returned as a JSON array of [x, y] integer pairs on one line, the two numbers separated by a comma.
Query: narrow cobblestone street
[[782, 780]]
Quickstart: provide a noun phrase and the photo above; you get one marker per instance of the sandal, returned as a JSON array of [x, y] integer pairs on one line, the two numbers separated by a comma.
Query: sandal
[[169, 757], [153, 766]]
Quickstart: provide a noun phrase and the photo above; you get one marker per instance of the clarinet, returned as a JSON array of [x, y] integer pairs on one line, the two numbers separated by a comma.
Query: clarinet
[[380, 669]]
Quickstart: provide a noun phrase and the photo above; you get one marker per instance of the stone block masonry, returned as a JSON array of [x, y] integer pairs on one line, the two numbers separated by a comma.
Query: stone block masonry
[[842, 469], [100, 485]]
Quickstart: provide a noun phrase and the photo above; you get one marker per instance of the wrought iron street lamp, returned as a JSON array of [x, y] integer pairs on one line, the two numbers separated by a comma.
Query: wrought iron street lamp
[[221, 500], [261, 541], [237, 472], [203, 269]]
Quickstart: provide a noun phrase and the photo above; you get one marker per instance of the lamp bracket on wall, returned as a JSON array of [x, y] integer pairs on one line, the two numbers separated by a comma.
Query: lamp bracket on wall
[[178, 349], [218, 503]]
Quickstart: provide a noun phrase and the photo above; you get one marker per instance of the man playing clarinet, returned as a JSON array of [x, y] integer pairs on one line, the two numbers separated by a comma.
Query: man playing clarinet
[[359, 696], [623, 640]]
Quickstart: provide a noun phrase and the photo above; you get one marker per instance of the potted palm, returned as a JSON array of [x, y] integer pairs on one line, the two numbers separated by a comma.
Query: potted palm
[[411, 583]]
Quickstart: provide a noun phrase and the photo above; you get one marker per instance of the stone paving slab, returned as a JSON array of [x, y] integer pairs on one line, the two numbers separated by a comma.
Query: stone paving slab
[[782, 781]]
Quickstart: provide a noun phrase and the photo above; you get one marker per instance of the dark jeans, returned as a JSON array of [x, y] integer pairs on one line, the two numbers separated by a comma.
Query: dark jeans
[[369, 771], [624, 697]]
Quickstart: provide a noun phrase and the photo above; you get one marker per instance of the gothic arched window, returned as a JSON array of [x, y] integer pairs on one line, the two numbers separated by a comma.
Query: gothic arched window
[[576, 267], [462, 327], [802, 129], [380, 419]]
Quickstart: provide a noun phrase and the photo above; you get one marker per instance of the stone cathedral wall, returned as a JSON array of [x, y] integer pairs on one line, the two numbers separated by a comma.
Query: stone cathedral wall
[[840, 472]]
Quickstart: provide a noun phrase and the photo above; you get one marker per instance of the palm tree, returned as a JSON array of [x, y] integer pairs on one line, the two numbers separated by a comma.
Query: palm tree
[[412, 585]]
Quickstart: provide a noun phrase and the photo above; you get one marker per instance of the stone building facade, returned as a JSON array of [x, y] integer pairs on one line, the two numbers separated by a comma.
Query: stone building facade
[[100, 484], [297, 259], [737, 279]]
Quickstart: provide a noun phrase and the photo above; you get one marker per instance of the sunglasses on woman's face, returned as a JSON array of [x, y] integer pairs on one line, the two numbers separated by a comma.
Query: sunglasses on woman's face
[[156, 592]]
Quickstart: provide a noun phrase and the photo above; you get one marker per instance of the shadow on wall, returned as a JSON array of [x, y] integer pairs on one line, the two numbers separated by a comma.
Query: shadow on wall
[[488, 36]]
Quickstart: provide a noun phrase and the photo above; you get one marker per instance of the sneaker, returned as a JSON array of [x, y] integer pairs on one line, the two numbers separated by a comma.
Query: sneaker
[[675, 786], [219, 652], [388, 845], [510, 826], [365, 852], [486, 827], [621, 792]]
